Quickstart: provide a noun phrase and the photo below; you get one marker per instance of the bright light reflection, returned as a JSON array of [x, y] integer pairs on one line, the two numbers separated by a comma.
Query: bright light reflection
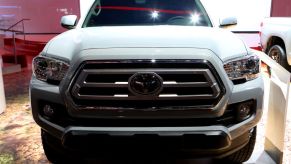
[[195, 18], [155, 14]]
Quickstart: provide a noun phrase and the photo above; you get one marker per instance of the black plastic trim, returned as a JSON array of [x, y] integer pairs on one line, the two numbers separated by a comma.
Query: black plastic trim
[[189, 138]]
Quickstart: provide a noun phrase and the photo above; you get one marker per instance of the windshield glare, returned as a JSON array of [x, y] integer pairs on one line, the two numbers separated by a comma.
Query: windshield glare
[[147, 12]]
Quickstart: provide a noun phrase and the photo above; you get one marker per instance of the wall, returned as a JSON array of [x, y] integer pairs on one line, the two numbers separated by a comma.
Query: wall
[[248, 12], [281, 8], [45, 15]]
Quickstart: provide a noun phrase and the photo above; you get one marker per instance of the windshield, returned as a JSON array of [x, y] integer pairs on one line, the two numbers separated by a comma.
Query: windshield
[[147, 12]]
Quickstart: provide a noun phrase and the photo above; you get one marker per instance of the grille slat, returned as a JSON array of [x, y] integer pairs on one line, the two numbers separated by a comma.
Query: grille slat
[[113, 75], [165, 85], [132, 98], [187, 85], [105, 85], [180, 85]]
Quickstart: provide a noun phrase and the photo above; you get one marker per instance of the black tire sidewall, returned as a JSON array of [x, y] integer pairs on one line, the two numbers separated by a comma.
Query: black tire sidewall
[[245, 152], [53, 154], [283, 57]]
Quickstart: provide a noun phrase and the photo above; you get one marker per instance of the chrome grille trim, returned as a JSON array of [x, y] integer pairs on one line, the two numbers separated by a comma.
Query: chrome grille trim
[[81, 83], [211, 83]]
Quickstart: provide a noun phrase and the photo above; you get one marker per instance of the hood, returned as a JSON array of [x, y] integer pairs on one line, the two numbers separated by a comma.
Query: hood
[[221, 42]]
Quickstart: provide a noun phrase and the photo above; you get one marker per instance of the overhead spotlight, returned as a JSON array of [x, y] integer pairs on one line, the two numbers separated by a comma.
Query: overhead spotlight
[[155, 15], [195, 18]]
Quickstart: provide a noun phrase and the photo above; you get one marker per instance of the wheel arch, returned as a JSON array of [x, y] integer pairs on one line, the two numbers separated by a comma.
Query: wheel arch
[[275, 40]]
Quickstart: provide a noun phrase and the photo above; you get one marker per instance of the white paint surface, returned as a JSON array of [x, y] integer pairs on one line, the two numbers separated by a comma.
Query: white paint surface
[[2, 95]]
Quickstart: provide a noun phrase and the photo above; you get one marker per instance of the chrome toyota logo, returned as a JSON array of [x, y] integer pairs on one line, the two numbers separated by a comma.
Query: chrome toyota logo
[[145, 84]]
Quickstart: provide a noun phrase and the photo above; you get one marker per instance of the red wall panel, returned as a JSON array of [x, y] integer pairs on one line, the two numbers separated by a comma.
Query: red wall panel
[[45, 15], [281, 8]]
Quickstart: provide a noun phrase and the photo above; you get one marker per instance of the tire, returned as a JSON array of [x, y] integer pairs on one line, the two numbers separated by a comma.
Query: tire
[[244, 153], [278, 54], [55, 153]]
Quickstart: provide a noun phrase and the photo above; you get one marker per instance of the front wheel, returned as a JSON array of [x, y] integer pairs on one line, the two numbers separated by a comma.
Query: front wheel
[[278, 54], [244, 153], [56, 153]]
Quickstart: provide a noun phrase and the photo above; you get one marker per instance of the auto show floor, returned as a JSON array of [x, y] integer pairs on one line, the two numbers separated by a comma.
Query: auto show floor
[[20, 140]]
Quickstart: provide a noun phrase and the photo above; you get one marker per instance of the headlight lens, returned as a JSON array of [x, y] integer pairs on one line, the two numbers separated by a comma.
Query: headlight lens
[[245, 68], [49, 70]]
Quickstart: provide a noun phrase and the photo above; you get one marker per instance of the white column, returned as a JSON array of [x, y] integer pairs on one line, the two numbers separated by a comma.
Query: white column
[[278, 106], [2, 95]]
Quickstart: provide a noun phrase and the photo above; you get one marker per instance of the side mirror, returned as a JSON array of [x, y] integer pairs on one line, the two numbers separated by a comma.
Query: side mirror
[[228, 21], [69, 21]]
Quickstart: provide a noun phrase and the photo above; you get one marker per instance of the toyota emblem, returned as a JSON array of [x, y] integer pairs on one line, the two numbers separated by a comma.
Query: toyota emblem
[[145, 84]]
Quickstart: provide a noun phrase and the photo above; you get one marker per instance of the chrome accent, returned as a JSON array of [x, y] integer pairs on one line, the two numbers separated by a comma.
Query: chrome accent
[[83, 83], [95, 84], [145, 84]]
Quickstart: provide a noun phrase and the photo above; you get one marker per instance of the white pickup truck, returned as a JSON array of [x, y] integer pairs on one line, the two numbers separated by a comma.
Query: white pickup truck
[[146, 78], [276, 40]]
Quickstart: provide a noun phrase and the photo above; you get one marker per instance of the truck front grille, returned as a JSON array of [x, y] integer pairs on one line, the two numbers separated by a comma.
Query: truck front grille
[[183, 83]]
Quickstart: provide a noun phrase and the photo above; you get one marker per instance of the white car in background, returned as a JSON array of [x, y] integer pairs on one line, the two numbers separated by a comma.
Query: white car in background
[[146, 78], [276, 40]]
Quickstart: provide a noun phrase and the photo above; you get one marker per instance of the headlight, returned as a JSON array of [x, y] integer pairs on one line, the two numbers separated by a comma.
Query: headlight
[[245, 68], [49, 70]]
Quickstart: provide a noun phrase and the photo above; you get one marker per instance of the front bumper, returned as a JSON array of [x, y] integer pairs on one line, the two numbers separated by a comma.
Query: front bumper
[[214, 140], [181, 137]]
